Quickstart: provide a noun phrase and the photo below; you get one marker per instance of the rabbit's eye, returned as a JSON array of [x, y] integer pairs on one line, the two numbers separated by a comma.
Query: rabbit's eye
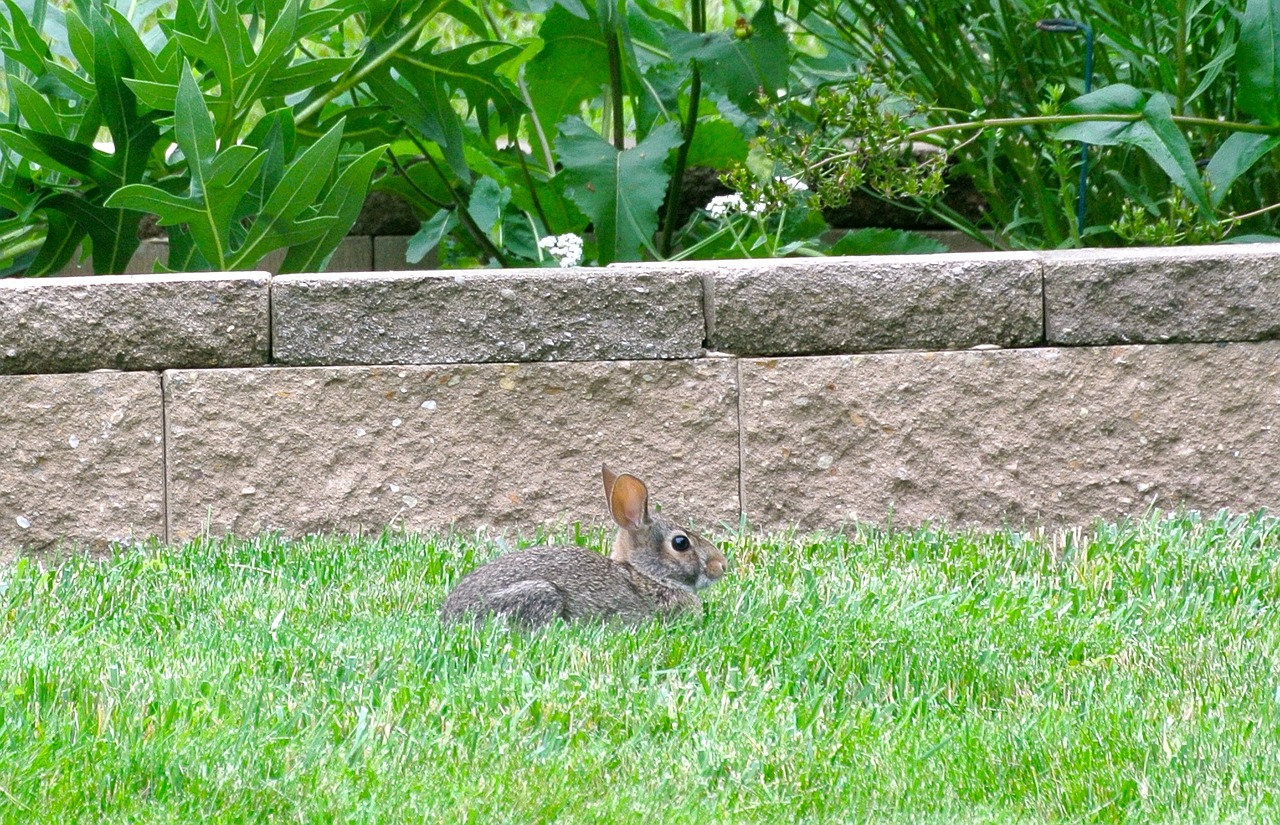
[[679, 542]]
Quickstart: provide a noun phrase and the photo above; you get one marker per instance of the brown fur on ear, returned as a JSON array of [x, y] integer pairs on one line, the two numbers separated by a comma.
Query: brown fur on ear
[[628, 499], [609, 478]]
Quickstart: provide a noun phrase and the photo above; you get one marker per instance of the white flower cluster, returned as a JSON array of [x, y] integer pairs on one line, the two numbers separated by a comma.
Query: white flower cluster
[[566, 249], [724, 205]]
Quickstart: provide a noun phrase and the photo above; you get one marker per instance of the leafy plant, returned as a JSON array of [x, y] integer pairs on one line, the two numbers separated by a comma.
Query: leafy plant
[[1165, 68], [98, 98], [616, 102]]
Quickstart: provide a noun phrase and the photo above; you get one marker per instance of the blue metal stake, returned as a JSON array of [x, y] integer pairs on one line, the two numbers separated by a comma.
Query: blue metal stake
[[1060, 25]]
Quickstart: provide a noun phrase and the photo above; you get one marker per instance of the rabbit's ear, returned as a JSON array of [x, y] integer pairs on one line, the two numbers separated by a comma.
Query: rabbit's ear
[[628, 500], [609, 478]]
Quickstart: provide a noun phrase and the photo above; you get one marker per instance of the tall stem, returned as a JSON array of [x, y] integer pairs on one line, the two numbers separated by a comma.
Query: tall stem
[[698, 25], [611, 28]]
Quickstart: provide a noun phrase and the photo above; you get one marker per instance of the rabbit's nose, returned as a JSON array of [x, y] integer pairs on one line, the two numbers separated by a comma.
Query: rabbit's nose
[[716, 566]]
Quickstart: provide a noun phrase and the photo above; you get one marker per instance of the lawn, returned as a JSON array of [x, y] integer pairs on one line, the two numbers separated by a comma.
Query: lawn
[[1130, 673]]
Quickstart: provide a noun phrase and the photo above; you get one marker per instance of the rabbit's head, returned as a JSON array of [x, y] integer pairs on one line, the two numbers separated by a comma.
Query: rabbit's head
[[658, 547]]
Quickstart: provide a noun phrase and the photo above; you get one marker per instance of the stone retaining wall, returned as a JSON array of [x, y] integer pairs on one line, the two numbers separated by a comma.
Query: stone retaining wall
[[981, 389]]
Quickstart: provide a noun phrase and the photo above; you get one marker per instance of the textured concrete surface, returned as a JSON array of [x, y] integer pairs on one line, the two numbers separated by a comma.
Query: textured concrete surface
[[1047, 435], [1117, 296], [848, 305], [486, 316], [311, 449], [133, 322], [81, 460]]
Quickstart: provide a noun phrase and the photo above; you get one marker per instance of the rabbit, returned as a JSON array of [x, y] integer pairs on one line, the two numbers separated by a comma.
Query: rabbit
[[656, 568]]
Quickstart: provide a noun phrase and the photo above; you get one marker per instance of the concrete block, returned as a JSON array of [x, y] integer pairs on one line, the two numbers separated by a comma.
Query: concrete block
[[866, 304], [485, 316], [1152, 296], [81, 461], [1061, 436], [508, 445], [133, 322]]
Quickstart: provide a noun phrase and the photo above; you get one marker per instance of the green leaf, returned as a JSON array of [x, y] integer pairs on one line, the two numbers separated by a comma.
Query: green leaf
[[62, 238], [305, 75], [169, 208], [1258, 61], [428, 109], [572, 67], [488, 199], [886, 242], [717, 144], [620, 191], [114, 232], [27, 47], [133, 135], [1237, 154], [437, 75], [342, 204], [39, 115], [81, 41], [429, 236], [1155, 133], [57, 152], [740, 70]]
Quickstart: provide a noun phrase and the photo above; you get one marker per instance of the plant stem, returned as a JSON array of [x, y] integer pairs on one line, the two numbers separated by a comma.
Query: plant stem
[[612, 31], [1062, 120], [460, 209], [1255, 213], [533, 191], [339, 88], [422, 193], [547, 157], [698, 25]]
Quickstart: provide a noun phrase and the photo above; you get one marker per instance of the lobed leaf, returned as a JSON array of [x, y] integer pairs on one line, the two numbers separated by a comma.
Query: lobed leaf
[[619, 191]]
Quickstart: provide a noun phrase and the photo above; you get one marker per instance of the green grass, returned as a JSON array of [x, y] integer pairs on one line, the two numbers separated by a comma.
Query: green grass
[[1128, 675]]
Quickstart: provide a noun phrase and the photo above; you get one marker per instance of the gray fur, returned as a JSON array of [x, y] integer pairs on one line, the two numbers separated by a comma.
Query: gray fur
[[643, 576]]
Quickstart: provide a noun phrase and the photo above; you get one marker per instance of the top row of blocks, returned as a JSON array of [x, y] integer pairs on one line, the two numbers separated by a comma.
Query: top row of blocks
[[642, 311]]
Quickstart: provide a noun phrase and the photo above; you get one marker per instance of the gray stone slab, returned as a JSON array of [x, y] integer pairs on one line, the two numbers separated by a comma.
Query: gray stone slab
[[485, 316], [1059, 436], [81, 461], [509, 445], [389, 253], [1188, 294], [354, 254], [133, 322], [866, 304]]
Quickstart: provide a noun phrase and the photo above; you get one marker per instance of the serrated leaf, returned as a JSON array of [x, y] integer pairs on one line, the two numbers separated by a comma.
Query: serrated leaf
[[439, 74], [1258, 61], [886, 242], [739, 69], [717, 144], [573, 66], [620, 191]]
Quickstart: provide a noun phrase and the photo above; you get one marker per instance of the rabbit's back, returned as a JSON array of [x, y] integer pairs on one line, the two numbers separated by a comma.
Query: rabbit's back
[[540, 584]]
